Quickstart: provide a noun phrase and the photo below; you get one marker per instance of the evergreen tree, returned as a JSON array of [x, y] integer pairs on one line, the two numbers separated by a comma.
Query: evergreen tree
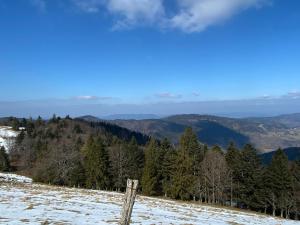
[[39, 121], [296, 189], [15, 123], [260, 201], [4, 161], [183, 179], [77, 175], [150, 178], [103, 167], [23, 122], [167, 165], [30, 128], [249, 175], [233, 159], [96, 164], [279, 182], [20, 137], [134, 161], [54, 119], [88, 164]]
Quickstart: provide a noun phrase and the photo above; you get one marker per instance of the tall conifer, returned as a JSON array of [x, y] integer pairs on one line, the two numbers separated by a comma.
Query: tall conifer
[[183, 179], [279, 181], [150, 178]]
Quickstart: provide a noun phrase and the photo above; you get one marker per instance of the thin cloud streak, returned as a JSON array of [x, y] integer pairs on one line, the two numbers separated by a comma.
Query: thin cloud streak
[[91, 97], [89, 6], [168, 95]]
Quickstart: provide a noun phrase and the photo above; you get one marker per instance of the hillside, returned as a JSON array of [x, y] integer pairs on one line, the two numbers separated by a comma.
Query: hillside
[[87, 123], [266, 133], [32, 203], [51, 150], [292, 154]]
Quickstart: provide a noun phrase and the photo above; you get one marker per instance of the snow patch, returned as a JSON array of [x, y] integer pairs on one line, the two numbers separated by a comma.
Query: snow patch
[[9, 177], [7, 136], [42, 204]]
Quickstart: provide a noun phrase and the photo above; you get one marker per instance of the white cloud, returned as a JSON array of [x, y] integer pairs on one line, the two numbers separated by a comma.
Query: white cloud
[[168, 95], [127, 12], [188, 15], [132, 12], [197, 15]]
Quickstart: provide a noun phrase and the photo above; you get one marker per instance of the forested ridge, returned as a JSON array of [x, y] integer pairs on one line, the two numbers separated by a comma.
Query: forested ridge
[[98, 155]]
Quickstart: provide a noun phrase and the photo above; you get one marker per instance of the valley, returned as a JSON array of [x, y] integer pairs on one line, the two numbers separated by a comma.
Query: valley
[[265, 133]]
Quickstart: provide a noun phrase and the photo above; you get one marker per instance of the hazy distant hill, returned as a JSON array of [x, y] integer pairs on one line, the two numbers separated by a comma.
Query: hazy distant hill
[[292, 154], [90, 118], [131, 117], [266, 133]]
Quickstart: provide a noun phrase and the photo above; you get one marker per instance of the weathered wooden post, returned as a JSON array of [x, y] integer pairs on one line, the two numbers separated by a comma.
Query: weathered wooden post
[[129, 201]]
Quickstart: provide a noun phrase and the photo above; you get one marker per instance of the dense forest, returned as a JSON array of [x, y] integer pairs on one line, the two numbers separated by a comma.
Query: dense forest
[[98, 155]]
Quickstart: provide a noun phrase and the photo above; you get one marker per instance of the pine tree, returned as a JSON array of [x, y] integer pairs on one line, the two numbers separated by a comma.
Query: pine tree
[[103, 165], [295, 170], [15, 123], [150, 178], [77, 174], [183, 179], [134, 161], [249, 175], [39, 121], [96, 164], [260, 200], [88, 162], [233, 161], [20, 137], [4, 161], [54, 119], [30, 128], [279, 182], [167, 166]]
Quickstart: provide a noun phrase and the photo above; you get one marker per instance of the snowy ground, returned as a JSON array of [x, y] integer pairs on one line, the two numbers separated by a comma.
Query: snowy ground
[[7, 135], [27, 203], [14, 178]]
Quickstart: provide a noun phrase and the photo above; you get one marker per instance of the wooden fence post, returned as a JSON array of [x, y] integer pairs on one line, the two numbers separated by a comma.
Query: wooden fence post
[[129, 201]]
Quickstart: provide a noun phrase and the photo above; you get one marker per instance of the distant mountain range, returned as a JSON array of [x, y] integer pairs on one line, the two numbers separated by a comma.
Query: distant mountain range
[[130, 117], [266, 133]]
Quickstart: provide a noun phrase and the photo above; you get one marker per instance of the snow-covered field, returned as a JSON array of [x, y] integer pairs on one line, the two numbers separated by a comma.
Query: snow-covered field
[[14, 178], [7, 136], [29, 203]]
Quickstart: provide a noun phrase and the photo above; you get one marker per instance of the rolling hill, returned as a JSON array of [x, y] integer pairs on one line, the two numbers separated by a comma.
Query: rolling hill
[[266, 133]]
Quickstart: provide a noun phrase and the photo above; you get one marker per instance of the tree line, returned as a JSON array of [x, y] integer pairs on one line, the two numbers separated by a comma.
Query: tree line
[[76, 153]]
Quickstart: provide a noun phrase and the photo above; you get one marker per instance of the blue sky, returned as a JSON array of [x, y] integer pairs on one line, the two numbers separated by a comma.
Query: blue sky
[[149, 51]]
